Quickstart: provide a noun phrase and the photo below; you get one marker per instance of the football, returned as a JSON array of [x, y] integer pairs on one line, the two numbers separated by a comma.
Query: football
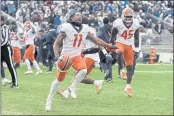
[[64, 62]]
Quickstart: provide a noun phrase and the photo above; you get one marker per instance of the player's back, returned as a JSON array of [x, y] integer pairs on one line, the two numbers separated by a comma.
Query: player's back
[[125, 33], [73, 42]]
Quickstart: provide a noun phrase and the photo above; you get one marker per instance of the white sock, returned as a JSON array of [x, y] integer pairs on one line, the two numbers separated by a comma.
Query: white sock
[[122, 70], [72, 87], [128, 86], [36, 65], [96, 82], [78, 78], [28, 64], [54, 87]]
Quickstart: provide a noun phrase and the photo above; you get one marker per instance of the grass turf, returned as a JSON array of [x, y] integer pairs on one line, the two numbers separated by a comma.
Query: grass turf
[[152, 94]]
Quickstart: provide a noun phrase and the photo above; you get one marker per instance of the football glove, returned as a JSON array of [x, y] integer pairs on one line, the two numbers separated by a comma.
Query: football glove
[[91, 51]]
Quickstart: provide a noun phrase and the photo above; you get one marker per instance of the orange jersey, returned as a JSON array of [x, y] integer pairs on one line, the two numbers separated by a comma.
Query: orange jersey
[[125, 35]]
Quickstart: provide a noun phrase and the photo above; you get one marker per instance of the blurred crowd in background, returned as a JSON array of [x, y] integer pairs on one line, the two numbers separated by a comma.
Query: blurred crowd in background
[[56, 12], [46, 15]]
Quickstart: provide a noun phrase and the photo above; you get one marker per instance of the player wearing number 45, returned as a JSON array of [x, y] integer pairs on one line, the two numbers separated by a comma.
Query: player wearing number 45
[[126, 31], [72, 34]]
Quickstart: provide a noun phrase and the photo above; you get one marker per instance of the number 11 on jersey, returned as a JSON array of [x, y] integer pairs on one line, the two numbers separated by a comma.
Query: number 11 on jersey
[[77, 40]]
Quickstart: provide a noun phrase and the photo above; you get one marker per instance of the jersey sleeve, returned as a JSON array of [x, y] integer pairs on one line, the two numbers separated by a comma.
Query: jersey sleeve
[[87, 28], [93, 31], [137, 24], [116, 23], [62, 28]]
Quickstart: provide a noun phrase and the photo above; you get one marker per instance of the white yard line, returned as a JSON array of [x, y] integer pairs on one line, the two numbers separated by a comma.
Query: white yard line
[[155, 71]]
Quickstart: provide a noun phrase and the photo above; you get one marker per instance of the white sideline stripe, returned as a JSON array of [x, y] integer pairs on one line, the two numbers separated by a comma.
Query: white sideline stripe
[[153, 64], [155, 71]]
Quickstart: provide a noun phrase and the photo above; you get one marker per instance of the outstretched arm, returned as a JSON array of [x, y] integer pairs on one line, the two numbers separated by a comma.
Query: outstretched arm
[[57, 43], [114, 32], [99, 42]]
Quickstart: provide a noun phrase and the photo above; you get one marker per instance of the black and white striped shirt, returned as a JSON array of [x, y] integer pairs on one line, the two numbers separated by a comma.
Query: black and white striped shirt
[[5, 35]]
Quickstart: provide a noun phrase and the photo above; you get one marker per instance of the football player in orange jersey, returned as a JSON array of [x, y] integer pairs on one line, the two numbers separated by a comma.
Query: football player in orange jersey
[[15, 45], [29, 36], [72, 34], [126, 32]]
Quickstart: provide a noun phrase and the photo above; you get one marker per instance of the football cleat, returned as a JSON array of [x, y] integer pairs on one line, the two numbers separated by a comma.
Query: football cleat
[[73, 94], [109, 80], [28, 72], [128, 91], [5, 81], [63, 94], [14, 86], [38, 72], [99, 87], [49, 72], [48, 104], [123, 74]]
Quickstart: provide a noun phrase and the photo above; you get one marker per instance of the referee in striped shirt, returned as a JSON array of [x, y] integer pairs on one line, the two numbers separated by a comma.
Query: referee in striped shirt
[[6, 51]]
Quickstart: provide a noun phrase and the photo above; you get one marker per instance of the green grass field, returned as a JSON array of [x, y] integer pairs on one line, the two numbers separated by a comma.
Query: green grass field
[[152, 89]]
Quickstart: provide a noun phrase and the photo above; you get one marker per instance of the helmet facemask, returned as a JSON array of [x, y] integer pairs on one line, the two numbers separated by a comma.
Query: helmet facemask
[[128, 18]]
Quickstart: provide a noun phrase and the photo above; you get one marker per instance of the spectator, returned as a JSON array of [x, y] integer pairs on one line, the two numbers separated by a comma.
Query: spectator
[[4, 6], [106, 61], [93, 21], [43, 50], [63, 18], [11, 8], [51, 19], [19, 16], [169, 19], [149, 9], [50, 38], [57, 21], [159, 27]]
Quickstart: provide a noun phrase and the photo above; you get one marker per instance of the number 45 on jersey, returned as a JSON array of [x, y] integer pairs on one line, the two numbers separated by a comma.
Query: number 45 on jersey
[[127, 34]]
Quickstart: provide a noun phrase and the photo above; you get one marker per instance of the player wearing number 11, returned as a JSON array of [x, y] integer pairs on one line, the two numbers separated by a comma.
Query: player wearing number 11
[[126, 31], [72, 34]]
